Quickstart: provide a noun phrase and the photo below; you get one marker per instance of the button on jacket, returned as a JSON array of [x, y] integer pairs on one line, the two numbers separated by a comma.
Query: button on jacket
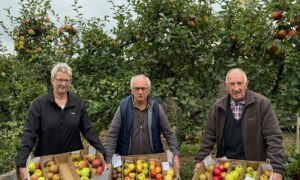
[[54, 130]]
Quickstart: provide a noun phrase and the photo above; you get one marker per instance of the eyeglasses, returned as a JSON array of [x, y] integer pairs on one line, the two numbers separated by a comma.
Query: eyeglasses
[[60, 81], [140, 88]]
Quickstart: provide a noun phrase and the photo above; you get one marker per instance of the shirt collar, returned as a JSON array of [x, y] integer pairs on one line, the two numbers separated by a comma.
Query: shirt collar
[[241, 102]]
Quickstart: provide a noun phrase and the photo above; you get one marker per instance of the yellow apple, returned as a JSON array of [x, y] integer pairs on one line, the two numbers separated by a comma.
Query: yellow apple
[[170, 172]]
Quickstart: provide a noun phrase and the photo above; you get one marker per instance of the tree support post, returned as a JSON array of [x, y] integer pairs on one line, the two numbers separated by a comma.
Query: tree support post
[[298, 135]]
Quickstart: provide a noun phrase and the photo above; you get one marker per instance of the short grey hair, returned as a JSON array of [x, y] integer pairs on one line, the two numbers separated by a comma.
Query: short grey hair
[[237, 70], [140, 75], [61, 67]]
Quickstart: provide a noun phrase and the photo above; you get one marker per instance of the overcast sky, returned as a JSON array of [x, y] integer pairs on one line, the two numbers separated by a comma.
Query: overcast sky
[[91, 8]]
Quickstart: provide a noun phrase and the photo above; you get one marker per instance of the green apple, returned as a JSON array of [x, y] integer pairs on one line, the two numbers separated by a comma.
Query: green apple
[[41, 178], [229, 177], [84, 178], [170, 172], [145, 172], [145, 165], [210, 168], [249, 169], [131, 167], [238, 169], [202, 177], [85, 172], [168, 177], [141, 176], [31, 167], [235, 174], [38, 173]]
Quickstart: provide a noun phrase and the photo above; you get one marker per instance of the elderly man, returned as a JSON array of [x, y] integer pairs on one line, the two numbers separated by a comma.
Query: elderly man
[[138, 123], [243, 125]]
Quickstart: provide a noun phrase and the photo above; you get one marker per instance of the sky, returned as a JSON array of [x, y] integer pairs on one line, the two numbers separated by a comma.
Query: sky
[[90, 8]]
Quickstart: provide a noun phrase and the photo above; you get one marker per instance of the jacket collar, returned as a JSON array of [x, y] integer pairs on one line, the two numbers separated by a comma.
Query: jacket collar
[[223, 102], [70, 100]]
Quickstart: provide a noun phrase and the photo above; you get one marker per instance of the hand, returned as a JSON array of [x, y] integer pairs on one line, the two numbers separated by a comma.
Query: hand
[[23, 173], [197, 166], [176, 160], [276, 176], [108, 166]]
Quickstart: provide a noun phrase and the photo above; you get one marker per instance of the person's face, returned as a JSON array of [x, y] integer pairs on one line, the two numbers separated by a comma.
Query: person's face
[[61, 82], [236, 85], [140, 89]]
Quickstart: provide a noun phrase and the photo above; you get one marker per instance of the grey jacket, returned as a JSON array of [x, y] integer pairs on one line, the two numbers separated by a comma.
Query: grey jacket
[[262, 136]]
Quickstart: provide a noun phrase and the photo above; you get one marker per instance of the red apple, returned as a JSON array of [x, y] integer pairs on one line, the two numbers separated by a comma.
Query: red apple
[[216, 171], [277, 15], [159, 177], [99, 170], [216, 178], [281, 34], [153, 174], [96, 163], [292, 32], [221, 167]]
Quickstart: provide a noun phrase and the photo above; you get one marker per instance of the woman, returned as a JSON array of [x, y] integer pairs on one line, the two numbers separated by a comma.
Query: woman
[[55, 121]]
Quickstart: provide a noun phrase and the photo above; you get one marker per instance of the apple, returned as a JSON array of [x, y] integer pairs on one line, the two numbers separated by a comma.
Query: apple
[[281, 34], [56, 177], [159, 177], [216, 171], [216, 178], [158, 169], [69, 27], [226, 165], [37, 166], [249, 170], [84, 178], [38, 173], [145, 165], [168, 177], [83, 164], [277, 15], [85, 172], [96, 163], [30, 32], [292, 32], [238, 169], [53, 168], [99, 170], [223, 174], [263, 177], [31, 167], [34, 177], [41, 178], [235, 174], [139, 168], [221, 167], [131, 167], [152, 162], [191, 24], [139, 161], [202, 177], [170, 172], [145, 172], [76, 157], [229, 177], [152, 167], [267, 172], [153, 174], [132, 175], [210, 167], [126, 172], [141, 176], [90, 157], [49, 163], [119, 169], [49, 175]]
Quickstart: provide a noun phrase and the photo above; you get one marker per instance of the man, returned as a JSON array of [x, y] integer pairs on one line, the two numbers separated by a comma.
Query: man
[[243, 125], [137, 124]]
